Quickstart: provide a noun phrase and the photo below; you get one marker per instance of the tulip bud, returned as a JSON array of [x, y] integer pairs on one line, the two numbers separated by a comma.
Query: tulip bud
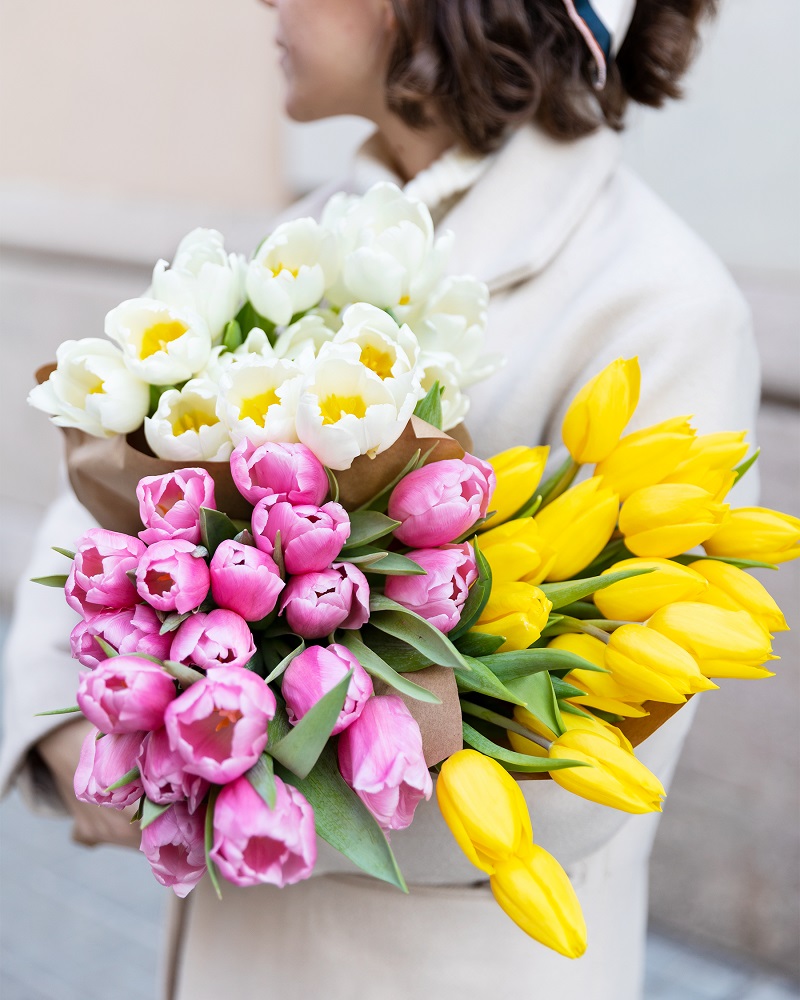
[[245, 580], [640, 658], [538, 896], [638, 597], [441, 501], [646, 456], [170, 577], [756, 533], [255, 843], [439, 595], [98, 578], [577, 525], [279, 471], [732, 588], [516, 550], [614, 776], [724, 643], [585, 723], [169, 505], [710, 461], [103, 761], [125, 694], [315, 672], [604, 691], [600, 411], [516, 611], [311, 537], [317, 603], [518, 471], [381, 759], [163, 776], [484, 808], [669, 518], [174, 844], [218, 639]]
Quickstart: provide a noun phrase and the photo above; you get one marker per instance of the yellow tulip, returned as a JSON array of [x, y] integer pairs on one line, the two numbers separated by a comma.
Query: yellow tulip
[[635, 599], [484, 808], [723, 450], [614, 778], [598, 414], [577, 526], [658, 668], [584, 723], [519, 471], [732, 588], [667, 519], [757, 533], [603, 691], [724, 643], [536, 893], [516, 551], [516, 611], [646, 457]]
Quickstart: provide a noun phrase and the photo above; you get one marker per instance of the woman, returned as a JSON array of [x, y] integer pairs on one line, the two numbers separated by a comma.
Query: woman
[[502, 116]]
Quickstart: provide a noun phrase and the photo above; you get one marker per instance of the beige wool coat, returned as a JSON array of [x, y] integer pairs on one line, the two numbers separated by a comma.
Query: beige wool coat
[[584, 264]]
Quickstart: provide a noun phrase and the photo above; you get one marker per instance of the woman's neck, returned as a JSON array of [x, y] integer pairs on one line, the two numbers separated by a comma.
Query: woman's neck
[[412, 150]]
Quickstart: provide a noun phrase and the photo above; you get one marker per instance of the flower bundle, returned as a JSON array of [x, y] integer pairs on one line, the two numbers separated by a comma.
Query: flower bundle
[[295, 663]]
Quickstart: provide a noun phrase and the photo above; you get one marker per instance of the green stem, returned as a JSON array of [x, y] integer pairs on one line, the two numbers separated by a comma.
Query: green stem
[[468, 708]]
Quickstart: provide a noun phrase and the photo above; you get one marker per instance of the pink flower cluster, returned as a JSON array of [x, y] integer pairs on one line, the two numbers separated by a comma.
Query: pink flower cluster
[[168, 634]]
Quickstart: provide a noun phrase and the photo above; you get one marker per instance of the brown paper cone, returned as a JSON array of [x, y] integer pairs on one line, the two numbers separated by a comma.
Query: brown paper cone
[[440, 725]]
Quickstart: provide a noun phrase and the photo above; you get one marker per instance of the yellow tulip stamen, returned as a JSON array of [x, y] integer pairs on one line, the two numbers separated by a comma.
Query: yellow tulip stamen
[[377, 361], [95, 388], [404, 300], [257, 406], [280, 268], [157, 337], [192, 421], [334, 407]]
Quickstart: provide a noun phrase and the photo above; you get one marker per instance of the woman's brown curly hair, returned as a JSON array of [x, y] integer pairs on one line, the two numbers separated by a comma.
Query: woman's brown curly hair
[[480, 66]]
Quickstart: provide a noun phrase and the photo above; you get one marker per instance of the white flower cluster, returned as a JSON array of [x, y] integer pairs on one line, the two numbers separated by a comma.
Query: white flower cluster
[[354, 322]]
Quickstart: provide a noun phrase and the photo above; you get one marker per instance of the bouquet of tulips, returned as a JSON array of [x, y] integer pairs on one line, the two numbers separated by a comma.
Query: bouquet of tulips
[[338, 599]]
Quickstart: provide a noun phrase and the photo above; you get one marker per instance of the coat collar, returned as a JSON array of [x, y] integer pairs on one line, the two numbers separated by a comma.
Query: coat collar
[[520, 210]]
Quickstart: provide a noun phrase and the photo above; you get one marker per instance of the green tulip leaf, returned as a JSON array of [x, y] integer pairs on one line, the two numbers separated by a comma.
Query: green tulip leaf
[[521, 662], [393, 618], [380, 500], [333, 484], [185, 676], [150, 812], [429, 408], [481, 680], [208, 841], [367, 526], [63, 552], [478, 595], [232, 336], [562, 594], [730, 560], [515, 762], [564, 690], [378, 667], [398, 654], [215, 527], [281, 666], [479, 643], [375, 560], [342, 819], [59, 711], [56, 580], [742, 468], [536, 690], [249, 318], [262, 777], [126, 779], [558, 482], [300, 748]]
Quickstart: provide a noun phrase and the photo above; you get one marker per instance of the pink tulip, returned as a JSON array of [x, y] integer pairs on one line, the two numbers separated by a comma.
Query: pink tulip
[[169, 505], [163, 776], [124, 694], [132, 630], [174, 844], [311, 537], [439, 595], [244, 580], [278, 471], [441, 501], [170, 577], [380, 757], [254, 844], [219, 724], [98, 579], [318, 670], [102, 763], [317, 603], [217, 639]]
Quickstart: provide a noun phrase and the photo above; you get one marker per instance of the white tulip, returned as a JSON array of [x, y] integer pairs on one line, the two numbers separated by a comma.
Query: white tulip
[[219, 361], [346, 411], [388, 349], [291, 270], [162, 344], [258, 399], [92, 389], [185, 426], [389, 255], [303, 339], [444, 369], [203, 278], [453, 322]]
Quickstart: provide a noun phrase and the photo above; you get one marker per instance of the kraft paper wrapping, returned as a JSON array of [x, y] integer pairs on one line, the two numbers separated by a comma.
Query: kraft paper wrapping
[[104, 473]]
